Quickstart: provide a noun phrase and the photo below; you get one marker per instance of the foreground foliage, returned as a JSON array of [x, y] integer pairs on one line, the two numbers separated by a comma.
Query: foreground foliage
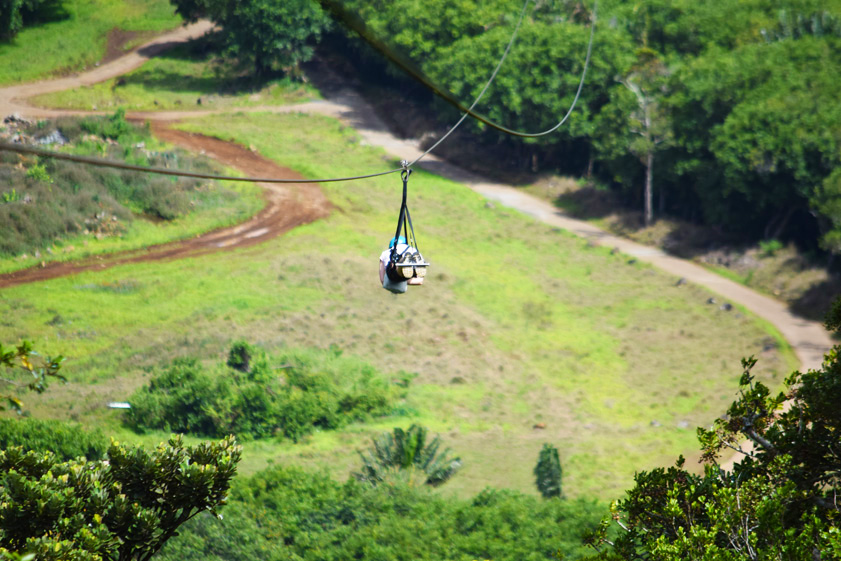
[[124, 507], [23, 369], [779, 502], [288, 513], [253, 400]]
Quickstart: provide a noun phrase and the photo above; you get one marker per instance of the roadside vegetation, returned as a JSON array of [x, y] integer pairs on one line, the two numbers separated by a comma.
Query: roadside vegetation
[[71, 36], [52, 209], [190, 77]]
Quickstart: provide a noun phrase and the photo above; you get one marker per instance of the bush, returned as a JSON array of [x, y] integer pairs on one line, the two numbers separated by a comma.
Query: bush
[[113, 127], [312, 390], [547, 472], [66, 440]]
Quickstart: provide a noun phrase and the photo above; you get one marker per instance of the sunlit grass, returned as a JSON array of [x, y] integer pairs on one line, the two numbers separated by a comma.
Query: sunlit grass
[[184, 78], [78, 40], [518, 324]]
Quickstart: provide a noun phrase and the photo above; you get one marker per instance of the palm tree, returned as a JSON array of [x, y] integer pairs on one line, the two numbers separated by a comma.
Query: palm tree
[[407, 451]]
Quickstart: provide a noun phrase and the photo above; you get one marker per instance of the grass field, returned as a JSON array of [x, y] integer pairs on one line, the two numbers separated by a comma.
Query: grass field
[[177, 80], [518, 324], [79, 39]]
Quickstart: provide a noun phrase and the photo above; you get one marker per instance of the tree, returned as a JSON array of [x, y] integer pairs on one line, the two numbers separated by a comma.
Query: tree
[[407, 451], [827, 203], [15, 14], [547, 472], [268, 33], [649, 122], [123, 508], [780, 501], [25, 370]]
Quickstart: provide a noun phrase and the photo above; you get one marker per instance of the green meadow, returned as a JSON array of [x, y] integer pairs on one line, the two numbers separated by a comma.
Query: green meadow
[[177, 80], [78, 36], [519, 326]]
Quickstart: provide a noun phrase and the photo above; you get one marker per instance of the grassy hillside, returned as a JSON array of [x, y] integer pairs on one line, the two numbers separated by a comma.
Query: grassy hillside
[[78, 39], [518, 324]]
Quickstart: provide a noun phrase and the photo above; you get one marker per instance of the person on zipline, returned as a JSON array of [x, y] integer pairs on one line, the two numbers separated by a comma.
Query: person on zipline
[[393, 277], [402, 264]]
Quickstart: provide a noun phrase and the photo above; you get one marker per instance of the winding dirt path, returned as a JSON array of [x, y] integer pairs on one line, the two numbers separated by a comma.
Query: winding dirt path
[[300, 203]]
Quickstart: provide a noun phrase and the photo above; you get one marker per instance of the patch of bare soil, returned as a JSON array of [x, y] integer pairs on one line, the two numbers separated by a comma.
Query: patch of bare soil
[[287, 206], [115, 44]]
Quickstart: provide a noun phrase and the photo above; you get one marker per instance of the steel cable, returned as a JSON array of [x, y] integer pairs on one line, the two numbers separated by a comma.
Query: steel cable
[[355, 24]]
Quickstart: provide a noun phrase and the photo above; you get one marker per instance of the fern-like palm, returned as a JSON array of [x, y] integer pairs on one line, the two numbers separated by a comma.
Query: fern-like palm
[[407, 450]]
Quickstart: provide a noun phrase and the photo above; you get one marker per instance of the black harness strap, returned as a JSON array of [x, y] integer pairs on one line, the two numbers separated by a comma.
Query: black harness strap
[[404, 219]]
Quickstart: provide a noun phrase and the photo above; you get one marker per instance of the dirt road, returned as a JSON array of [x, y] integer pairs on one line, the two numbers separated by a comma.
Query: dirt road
[[300, 204]]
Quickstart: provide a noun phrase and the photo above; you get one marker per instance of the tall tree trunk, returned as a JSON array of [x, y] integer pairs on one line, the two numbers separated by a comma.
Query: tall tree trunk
[[649, 176]]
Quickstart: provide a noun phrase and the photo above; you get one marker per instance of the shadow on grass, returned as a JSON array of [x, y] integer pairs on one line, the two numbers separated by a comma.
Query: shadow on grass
[[229, 77]]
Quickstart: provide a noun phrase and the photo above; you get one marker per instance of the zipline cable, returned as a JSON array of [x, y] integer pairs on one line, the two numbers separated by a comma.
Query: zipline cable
[[179, 173], [355, 23], [482, 93], [359, 27]]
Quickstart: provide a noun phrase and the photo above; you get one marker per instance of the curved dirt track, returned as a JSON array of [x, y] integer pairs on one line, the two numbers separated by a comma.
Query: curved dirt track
[[287, 206], [808, 338]]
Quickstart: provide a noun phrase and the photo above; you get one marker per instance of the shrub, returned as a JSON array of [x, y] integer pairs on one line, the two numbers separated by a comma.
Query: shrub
[[769, 248], [65, 440], [408, 452], [39, 173], [310, 391], [547, 472], [113, 127]]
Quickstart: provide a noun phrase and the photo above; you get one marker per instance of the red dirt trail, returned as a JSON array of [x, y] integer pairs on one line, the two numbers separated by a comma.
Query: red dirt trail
[[287, 206]]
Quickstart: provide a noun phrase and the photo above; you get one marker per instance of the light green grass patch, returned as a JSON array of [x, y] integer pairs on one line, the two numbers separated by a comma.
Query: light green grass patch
[[78, 41], [517, 324], [184, 78]]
